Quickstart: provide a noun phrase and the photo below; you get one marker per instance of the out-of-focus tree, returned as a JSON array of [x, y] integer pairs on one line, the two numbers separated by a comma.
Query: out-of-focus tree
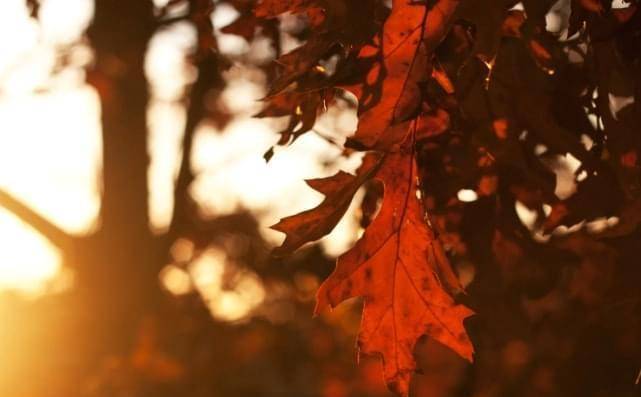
[[117, 331], [114, 309]]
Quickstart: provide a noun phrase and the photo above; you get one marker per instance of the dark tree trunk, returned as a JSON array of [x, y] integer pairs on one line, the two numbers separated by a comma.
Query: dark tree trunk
[[118, 278]]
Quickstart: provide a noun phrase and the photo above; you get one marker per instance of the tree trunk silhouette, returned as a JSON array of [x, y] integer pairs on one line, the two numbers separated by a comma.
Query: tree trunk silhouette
[[116, 285], [120, 263]]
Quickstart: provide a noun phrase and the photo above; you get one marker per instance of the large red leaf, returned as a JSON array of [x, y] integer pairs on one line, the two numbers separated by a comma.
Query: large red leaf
[[399, 267]]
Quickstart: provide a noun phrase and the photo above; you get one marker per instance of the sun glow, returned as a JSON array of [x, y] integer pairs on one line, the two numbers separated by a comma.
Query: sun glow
[[50, 146], [31, 272], [49, 139]]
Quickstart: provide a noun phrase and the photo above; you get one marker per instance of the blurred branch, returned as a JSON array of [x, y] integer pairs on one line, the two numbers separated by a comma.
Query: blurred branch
[[172, 20], [34, 8], [209, 78], [182, 202], [53, 233]]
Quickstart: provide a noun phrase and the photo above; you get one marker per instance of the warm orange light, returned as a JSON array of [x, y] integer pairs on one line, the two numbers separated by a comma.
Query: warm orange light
[[50, 145]]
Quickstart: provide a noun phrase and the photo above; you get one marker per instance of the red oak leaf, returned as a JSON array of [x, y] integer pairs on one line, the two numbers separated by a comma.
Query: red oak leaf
[[409, 37], [399, 267]]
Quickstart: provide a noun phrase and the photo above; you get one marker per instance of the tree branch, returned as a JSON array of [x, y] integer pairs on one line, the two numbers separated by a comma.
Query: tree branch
[[209, 78], [53, 233]]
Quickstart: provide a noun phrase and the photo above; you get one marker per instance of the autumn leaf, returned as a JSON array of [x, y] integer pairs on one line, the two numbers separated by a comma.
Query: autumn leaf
[[512, 23], [401, 271], [296, 63], [244, 26], [594, 6], [400, 52], [432, 124], [273, 8], [410, 35], [302, 107], [315, 223], [487, 16], [334, 26]]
